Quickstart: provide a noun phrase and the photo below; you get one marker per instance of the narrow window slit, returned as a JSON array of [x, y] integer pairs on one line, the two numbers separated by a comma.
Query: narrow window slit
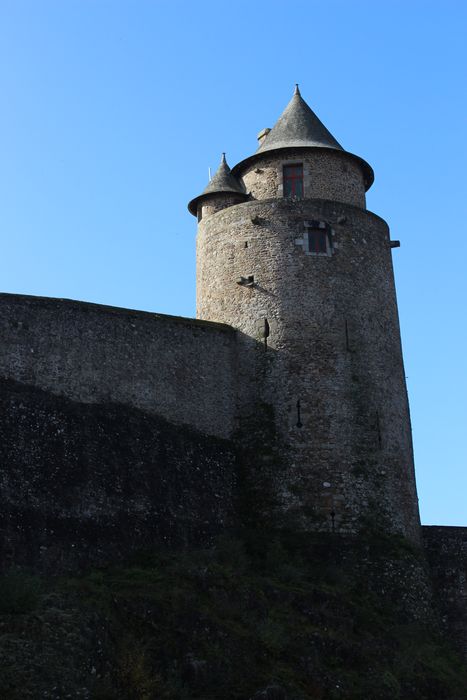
[[266, 333], [347, 343], [299, 420], [378, 430]]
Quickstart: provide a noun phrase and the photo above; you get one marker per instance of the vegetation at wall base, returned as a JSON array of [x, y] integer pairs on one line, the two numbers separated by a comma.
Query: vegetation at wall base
[[262, 614]]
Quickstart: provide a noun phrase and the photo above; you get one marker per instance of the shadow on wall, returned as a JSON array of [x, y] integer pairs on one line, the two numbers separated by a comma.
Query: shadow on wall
[[85, 484]]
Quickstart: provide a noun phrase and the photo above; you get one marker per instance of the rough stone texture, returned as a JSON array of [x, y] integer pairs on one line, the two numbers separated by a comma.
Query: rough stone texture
[[333, 345], [214, 203], [327, 175], [88, 484], [446, 549], [177, 368]]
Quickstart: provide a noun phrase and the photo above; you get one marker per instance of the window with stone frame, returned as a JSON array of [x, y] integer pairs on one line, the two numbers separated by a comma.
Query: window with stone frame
[[317, 240], [292, 176]]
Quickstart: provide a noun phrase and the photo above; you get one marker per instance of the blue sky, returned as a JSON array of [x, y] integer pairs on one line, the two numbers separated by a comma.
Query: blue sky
[[113, 111]]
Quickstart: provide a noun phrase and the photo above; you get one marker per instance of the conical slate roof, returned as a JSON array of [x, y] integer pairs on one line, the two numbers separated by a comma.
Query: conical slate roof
[[223, 181], [298, 126]]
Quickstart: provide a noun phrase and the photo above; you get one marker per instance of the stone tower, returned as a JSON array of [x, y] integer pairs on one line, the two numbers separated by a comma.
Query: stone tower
[[288, 254]]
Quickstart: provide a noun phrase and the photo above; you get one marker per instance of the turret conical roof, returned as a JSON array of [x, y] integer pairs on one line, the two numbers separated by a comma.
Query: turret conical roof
[[223, 181], [298, 126]]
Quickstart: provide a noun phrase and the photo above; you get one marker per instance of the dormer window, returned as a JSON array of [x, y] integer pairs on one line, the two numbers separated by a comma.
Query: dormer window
[[293, 181]]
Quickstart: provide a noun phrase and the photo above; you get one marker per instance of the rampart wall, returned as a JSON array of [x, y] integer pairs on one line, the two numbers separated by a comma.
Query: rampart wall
[[446, 549], [94, 464], [178, 368], [85, 484], [113, 427]]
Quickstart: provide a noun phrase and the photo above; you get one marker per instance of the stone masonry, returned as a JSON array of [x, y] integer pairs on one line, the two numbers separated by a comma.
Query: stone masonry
[[180, 369], [284, 401], [334, 373]]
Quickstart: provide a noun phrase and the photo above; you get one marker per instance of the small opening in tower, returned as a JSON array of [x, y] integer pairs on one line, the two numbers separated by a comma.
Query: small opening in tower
[[347, 340], [293, 181], [378, 430], [266, 333], [299, 415], [318, 241], [246, 281], [246, 244]]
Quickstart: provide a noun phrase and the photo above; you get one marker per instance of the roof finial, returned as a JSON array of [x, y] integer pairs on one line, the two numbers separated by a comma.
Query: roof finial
[[296, 91], [223, 160]]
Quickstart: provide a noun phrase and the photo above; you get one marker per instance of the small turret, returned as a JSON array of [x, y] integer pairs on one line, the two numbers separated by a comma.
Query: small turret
[[222, 191]]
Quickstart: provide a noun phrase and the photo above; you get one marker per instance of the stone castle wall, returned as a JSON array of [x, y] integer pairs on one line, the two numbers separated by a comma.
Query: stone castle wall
[[211, 205], [88, 484], [332, 369], [180, 369], [112, 432], [446, 549]]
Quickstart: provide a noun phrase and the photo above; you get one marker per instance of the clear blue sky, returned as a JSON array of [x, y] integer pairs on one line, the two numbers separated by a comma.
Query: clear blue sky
[[112, 111]]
